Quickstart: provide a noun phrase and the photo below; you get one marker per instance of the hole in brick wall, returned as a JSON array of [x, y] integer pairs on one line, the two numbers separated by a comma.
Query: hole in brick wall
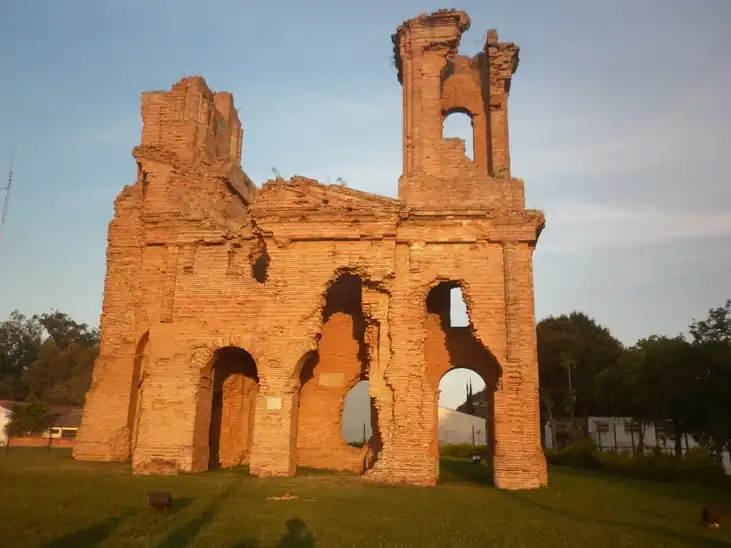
[[447, 302], [338, 364], [260, 265], [459, 125], [234, 386], [458, 316], [356, 428], [462, 408]]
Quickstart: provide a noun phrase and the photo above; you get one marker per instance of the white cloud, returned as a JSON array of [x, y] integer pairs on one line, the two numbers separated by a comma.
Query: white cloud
[[613, 141], [577, 227]]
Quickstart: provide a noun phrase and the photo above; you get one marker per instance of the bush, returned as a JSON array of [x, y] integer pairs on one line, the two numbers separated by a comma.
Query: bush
[[696, 466], [583, 454], [461, 450]]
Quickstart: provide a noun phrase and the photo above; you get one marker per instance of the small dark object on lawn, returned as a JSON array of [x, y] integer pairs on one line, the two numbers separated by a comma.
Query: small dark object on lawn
[[159, 501], [711, 516], [476, 459]]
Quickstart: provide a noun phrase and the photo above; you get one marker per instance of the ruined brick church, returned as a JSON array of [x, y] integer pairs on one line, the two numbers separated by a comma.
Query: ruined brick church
[[236, 319]]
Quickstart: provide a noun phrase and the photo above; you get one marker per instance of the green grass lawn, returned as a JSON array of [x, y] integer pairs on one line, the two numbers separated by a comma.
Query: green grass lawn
[[50, 500]]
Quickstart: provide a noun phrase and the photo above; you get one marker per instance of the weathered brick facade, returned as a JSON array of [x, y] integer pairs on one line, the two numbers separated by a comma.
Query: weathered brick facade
[[236, 319]]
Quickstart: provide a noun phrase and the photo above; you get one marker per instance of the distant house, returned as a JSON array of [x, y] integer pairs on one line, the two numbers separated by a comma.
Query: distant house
[[65, 422], [5, 412], [66, 426]]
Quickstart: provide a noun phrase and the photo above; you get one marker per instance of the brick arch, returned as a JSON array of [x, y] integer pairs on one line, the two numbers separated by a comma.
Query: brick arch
[[202, 354], [221, 402], [304, 350], [485, 371]]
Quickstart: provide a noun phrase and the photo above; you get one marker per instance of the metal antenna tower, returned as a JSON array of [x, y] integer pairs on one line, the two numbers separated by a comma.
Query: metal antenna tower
[[6, 201]]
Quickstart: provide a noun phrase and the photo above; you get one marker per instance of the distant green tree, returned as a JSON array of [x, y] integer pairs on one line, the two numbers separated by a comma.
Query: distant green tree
[[573, 349], [712, 386], [469, 405], [20, 343], [61, 372], [47, 356]]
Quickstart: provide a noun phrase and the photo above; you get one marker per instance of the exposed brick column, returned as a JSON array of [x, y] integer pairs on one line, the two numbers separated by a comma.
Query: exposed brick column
[[406, 456], [503, 59], [173, 378], [274, 449], [519, 461]]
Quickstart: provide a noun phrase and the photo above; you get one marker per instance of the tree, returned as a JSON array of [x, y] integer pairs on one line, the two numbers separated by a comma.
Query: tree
[[20, 342], [572, 351], [469, 405], [48, 356], [61, 372], [33, 418], [712, 345], [714, 329]]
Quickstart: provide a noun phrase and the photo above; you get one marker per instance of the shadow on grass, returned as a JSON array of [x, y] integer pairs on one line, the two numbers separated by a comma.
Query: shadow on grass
[[463, 471], [697, 541], [89, 536], [183, 535], [295, 536]]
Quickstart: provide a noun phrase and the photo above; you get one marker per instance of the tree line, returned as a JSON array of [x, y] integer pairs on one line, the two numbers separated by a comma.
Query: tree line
[[46, 358], [681, 383]]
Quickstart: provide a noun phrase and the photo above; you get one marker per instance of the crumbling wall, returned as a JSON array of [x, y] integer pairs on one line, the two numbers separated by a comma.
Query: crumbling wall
[[188, 185], [199, 260], [105, 428]]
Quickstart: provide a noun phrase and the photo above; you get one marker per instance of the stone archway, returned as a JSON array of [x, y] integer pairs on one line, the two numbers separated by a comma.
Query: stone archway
[[234, 385]]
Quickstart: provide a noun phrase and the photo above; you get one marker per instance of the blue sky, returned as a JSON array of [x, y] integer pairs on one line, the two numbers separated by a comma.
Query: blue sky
[[619, 113]]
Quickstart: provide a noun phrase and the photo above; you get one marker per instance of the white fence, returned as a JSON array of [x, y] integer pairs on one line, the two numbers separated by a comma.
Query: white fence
[[615, 433]]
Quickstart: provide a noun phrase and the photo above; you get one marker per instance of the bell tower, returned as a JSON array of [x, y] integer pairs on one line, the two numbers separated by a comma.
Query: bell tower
[[437, 82]]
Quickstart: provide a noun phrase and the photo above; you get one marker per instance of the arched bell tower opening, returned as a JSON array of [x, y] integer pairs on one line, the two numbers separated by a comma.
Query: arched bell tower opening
[[441, 89], [458, 125]]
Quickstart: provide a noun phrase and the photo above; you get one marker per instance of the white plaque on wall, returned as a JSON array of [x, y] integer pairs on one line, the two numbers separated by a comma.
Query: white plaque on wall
[[331, 379], [274, 402]]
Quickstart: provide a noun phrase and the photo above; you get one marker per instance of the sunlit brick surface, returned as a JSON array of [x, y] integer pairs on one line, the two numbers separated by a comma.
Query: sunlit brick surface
[[318, 287]]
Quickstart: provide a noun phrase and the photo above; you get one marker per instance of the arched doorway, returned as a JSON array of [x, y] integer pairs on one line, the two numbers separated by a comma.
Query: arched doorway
[[234, 387], [450, 348]]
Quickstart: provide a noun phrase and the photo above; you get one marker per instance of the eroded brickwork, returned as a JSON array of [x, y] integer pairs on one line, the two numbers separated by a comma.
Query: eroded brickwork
[[236, 318]]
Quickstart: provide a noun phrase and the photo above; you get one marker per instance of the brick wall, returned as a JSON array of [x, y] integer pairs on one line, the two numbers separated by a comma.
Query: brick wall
[[38, 441], [319, 286]]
